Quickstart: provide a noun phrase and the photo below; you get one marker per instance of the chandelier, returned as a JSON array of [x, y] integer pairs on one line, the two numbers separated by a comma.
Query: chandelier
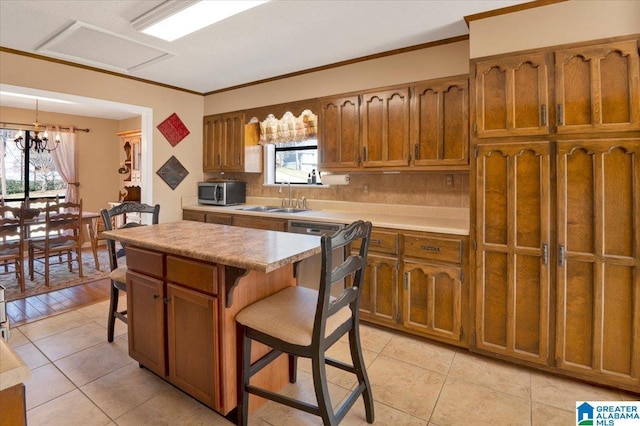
[[35, 142]]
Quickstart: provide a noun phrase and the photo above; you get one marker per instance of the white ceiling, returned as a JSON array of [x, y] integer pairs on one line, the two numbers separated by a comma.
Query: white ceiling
[[276, 38]]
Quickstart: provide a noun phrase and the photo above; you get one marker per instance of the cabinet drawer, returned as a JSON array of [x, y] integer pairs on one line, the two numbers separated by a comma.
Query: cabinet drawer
[[433, 248], [196, 275], [193, 215], [144, 261], [268, 224], [381, 242]]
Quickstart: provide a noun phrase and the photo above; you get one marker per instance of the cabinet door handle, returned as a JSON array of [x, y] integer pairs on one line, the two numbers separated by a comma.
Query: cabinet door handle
[[416, 152], [560, 115], [376, 241], [364, 153], [543, 114], [430, 248], [545, 254], [406, 281], [155, 297], [239, 162], [561, 255]]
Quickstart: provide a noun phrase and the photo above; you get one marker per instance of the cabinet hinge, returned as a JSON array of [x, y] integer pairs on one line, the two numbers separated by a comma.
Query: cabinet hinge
[[475, 245], [475, 128], [475, 151], [406, 283], [461, 277]]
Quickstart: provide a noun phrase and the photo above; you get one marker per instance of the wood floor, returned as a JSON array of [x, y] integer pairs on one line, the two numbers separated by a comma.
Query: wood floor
[[40, 306]]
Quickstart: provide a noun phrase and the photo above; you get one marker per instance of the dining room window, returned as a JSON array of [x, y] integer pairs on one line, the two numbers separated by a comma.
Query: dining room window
[[25, 172]]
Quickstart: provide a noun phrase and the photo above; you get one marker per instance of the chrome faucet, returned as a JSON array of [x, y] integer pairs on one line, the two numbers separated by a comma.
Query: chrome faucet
[[280, 192]]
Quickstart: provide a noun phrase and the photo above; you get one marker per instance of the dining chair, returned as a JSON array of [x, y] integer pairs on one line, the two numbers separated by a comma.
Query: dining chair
[[118, 275], [63, 235], [12, 242], [303, 322]]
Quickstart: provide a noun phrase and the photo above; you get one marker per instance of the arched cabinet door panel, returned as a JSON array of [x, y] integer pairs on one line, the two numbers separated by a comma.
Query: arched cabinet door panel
[[511, 96], [513, 287], [597, 88], [598, 278]]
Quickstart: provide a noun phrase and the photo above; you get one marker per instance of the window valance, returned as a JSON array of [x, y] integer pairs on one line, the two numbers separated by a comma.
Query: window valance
[[289, 128]]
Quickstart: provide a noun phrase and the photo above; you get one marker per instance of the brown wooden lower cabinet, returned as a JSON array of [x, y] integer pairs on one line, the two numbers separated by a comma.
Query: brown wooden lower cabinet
[[192, 340], [246, 221], [271, 224], [598, 278], [379, 299], [513, 273], [569, 302], [430, 299], [433, 300], [181, 329], [145, 309], [12, 406]]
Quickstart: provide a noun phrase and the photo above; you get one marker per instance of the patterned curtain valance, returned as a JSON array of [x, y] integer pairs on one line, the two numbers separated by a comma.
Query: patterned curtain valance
[[288, 128]]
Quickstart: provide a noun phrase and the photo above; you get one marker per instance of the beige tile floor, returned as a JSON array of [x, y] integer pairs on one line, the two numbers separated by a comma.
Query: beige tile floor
[[80, 379]]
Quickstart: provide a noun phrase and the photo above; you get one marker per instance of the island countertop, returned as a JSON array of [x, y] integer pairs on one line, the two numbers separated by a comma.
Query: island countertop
[[246, 248]]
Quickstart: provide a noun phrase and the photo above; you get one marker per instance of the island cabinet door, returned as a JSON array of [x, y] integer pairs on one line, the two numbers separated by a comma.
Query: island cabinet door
[[192, 339], [145, 310]]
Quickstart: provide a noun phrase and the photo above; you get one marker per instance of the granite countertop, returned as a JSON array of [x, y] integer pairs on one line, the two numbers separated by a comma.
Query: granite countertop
[[13, 370], [444, 220], [235, 246]]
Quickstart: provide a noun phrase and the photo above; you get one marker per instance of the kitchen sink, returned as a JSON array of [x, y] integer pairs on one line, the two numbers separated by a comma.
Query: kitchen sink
[[289, 210], [260, 209], [273, 209]]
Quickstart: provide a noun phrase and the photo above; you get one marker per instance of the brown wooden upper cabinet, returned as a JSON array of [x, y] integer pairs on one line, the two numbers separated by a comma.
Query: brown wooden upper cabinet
[[339, 133], [596, 88], [511, 96], [440, 122], [421, 126], [225, 144], [385, 128]]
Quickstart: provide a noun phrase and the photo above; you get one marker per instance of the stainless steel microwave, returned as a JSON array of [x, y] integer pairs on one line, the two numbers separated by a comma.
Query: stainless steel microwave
[[222, 193]]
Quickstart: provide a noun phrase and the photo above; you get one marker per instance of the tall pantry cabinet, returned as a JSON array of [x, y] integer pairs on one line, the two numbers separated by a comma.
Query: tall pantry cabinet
[[556, 232]]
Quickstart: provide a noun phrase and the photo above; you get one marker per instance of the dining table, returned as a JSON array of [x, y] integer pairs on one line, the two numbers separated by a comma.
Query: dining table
[[89, 220]]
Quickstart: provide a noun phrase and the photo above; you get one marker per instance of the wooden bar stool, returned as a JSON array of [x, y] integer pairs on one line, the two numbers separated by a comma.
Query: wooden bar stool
[[303, 322], [118, 275]]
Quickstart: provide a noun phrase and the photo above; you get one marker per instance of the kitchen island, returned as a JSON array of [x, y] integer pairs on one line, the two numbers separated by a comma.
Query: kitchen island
[[186, 282]]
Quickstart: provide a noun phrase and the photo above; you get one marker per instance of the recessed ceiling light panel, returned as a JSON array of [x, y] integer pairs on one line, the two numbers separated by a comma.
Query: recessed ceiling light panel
[[174, 19]]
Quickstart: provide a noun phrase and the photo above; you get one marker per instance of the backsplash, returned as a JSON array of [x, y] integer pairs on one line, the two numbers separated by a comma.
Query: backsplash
[[415, 188]]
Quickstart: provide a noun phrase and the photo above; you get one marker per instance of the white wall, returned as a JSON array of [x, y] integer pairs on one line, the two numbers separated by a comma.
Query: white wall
[[554, 24], [34, 73], [438, 61]]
